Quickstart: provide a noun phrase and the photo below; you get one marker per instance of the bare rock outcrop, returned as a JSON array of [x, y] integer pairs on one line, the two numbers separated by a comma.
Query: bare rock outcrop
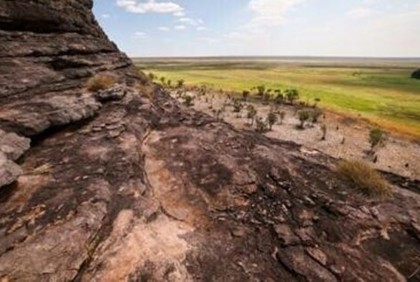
[[127, 185]]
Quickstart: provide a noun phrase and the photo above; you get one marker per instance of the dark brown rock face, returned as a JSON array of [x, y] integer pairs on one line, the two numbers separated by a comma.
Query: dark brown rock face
[[127, 185]]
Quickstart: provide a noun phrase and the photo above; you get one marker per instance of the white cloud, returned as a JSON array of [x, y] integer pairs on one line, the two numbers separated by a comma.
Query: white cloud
[[360, 12], [179, 14], [201, 28], [105, 16], [180, 27], [271, 12], [150, 6], [140, 35], [189, 21], [163, 28]]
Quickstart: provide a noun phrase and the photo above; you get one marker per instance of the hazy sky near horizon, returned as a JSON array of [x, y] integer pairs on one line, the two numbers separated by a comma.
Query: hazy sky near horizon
[[379, 28]]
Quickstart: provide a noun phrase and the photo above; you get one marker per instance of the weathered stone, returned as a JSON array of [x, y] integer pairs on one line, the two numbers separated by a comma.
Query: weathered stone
[[286, 235], [129, 185], [12, 145], [9, 171], [297, 261], [317, 255], [114, 93]]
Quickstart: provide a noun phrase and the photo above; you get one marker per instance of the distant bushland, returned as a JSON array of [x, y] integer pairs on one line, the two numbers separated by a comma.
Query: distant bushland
[[381, 92], [416, 74]]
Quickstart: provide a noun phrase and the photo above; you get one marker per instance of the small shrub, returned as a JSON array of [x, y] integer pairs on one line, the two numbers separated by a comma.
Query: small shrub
[[260, 90], [267, 97], [324, 132], [282, 116], [376, 137], [251, 113], [271, 119], [317, 100], [367, 180], [260, 125], [292, 95], [152, 76], [245, 95], [180, 83], [303, 117], [100, 82], [315, 115], [279, 97], [188, 100], [179, 94], [237, 106]]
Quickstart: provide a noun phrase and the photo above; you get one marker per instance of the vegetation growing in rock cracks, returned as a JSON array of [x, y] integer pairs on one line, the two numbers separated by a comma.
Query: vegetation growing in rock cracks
[[364, 178], [100, 82]]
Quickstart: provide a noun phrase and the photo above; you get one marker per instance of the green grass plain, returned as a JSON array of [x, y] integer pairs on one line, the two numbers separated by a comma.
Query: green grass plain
[[378, 90]]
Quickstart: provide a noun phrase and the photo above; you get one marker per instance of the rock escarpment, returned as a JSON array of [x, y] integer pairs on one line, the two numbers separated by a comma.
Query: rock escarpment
[[129, 185]]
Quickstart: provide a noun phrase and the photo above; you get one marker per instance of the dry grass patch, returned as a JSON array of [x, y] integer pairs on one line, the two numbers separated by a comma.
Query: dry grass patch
[[367, 179], [101, 82]]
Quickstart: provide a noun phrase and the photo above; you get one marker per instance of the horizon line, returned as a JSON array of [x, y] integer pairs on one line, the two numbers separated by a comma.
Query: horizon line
[[274, 57]]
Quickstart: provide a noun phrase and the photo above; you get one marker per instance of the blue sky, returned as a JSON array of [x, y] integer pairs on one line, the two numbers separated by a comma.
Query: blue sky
[[367, 28]]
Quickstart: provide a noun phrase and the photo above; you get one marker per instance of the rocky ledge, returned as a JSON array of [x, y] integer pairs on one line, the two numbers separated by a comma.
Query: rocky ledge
[[127, 184]]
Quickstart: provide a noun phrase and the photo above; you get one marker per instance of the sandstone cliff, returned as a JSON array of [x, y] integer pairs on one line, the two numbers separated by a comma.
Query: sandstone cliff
[[136, 187]]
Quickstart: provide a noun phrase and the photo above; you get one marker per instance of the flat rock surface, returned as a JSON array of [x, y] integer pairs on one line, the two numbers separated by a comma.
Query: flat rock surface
[[128, 185]]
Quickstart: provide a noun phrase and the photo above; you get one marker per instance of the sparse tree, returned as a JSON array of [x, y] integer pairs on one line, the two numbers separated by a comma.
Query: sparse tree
[[376, 137], [169, 83], [271, 119], [188, 100], [163, 79], [317, 100], [180, 83], [152, 76], [303, 117], [279, 97], [179, 94], [260, 90], [315, 114], [266, 97], [251, 113], [245, 95], [292, 95], [237, 107], [282, 116], [260, 125], [324, 131]]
